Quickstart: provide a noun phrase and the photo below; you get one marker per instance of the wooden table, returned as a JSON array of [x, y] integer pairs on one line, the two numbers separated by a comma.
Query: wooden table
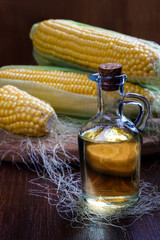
[[27, 217]]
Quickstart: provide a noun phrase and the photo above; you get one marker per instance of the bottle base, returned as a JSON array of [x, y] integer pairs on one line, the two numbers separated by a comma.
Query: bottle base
[[105, 204]]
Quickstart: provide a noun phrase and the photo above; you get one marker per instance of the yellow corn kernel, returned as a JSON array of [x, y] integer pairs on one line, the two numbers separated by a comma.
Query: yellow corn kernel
[[16, 119], [134, 88], [67, 81], [89, 47]]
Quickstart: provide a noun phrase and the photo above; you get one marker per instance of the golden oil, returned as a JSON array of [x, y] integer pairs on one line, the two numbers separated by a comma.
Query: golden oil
[[109, 168]]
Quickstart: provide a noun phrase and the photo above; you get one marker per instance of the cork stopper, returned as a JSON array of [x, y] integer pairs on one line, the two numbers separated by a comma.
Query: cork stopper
[[110, 69]]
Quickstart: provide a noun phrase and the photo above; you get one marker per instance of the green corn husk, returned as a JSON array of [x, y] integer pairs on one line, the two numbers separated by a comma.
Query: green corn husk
[[45, 59], [67, 102]]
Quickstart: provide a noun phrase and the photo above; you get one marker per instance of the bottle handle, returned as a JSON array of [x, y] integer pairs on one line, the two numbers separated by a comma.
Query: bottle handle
[[144, 108]]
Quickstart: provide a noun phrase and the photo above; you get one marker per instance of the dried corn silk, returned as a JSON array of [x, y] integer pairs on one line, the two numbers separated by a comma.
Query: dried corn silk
[[58, 179]]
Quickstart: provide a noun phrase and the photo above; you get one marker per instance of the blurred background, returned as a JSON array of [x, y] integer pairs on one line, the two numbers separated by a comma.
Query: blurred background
[[140, 18]]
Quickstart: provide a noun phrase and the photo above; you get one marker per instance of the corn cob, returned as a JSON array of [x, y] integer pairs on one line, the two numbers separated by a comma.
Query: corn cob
[[24, 114], [67, 81], [66, 90], [71, 44]]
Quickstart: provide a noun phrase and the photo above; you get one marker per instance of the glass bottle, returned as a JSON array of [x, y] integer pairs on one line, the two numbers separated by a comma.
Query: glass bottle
[[110, 143]]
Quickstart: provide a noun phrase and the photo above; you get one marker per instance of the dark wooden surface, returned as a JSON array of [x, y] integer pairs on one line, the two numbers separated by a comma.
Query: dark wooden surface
[[136, 18], [27, 217]]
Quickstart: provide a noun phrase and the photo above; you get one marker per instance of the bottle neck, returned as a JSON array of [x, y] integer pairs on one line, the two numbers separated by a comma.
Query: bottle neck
[[111, 102]]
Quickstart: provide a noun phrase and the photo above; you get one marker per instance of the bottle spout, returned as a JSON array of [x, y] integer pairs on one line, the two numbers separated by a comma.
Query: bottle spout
[[94, 77]]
